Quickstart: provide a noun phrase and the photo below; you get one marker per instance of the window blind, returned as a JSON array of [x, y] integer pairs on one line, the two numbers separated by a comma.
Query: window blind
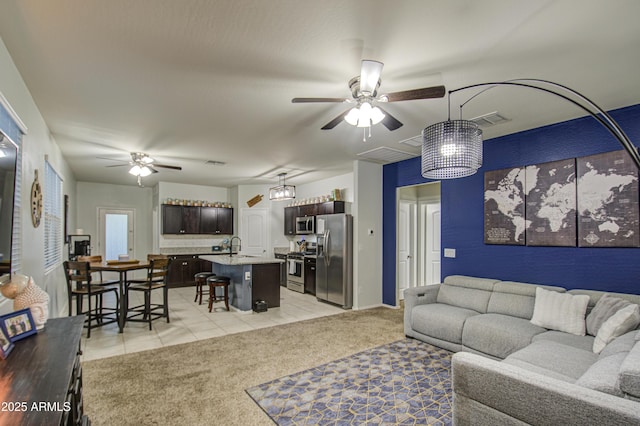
[[53, 212], [16, 238]]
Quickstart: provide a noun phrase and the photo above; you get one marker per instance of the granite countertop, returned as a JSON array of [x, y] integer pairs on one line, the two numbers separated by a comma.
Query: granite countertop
[[240, 260]]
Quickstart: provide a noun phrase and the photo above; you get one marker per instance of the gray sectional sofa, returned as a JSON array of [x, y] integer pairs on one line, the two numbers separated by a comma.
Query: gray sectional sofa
[[508, 370]]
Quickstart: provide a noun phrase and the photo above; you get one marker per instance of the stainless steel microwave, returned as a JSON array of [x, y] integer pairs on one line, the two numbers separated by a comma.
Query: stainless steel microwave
[[305, 225]]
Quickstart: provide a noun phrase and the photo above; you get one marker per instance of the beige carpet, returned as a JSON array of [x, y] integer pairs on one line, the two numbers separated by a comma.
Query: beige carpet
[[204, 382]]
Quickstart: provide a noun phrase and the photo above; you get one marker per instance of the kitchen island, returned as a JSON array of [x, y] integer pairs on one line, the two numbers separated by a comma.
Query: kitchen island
[[252, 278]]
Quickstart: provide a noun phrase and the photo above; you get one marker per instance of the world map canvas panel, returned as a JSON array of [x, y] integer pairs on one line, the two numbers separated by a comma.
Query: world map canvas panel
[[608, 214], [550, 210], [504, 206]]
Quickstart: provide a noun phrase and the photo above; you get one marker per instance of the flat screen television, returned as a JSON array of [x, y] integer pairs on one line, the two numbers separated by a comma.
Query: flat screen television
[[8, 158]]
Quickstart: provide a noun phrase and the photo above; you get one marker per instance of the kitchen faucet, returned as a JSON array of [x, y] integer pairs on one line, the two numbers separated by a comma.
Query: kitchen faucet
[[231, 245]]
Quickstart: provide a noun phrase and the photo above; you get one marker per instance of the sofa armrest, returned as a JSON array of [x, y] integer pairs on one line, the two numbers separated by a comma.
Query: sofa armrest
[[415, 296], [486, 391]]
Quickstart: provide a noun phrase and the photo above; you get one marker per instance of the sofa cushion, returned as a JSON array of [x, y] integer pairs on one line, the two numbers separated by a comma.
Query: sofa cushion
[[595, 295], [623, 343], [603, 375], [515, 299], [441, 321], [560, 311], [562, 360], [626, 319], [580, 342], [630, 372], [498, 335], [464, 297], [602, 311]]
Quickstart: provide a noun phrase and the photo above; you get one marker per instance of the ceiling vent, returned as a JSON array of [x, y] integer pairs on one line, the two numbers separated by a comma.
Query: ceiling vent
[[386, 155], [415, 141], [489, 119]]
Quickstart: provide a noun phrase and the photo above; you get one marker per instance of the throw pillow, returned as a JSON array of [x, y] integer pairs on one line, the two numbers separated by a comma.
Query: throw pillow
[[626, 319], [560, 311], [604, 309]]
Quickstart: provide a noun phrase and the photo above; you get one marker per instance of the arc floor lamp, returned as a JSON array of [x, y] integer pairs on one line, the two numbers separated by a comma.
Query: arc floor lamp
[[453, 148]]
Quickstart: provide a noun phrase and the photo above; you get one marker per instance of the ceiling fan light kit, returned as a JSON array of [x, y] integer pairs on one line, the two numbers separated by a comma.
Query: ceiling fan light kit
[[364, 92], [138, 170], [282, 191]]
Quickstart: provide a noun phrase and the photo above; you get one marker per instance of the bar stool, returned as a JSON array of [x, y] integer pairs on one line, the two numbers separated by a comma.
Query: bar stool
[[218, 281], [201, 281]]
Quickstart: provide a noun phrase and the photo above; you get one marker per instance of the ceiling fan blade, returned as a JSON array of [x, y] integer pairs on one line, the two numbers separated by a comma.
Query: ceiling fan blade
[[389, 121], [333, 123], [167, 166], [118, 165], [369, 75], [152, 169], [424, 93], [309, 100]]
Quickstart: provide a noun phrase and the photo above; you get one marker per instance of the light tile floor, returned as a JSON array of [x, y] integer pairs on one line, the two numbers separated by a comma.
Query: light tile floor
[[191, 322]]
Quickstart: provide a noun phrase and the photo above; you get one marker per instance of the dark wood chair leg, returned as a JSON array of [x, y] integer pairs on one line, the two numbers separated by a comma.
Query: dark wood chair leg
[[226, 296], [165, 291]]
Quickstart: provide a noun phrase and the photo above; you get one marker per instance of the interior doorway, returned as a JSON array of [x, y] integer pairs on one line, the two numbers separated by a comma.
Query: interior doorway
[[115, 233], [418, 236], [254, 231]]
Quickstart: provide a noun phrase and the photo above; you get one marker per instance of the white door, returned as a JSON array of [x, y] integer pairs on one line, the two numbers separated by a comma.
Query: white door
[[115, 236], [406, 246], [254, 231], [432, 243]]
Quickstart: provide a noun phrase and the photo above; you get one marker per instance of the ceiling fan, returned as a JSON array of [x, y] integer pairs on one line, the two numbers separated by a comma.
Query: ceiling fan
[[364, 92], [143, 165]]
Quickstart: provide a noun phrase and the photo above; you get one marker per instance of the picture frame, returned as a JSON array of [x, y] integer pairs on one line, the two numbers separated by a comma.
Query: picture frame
[[18, 325], [6, 345]]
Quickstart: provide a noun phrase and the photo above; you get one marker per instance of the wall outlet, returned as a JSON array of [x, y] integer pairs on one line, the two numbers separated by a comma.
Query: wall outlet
[[449, 252]]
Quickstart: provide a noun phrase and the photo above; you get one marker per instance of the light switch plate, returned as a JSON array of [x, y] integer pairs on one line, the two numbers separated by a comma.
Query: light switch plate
[[449, 252], [247, 276]]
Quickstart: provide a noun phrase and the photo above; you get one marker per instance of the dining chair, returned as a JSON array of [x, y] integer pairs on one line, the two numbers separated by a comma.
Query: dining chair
[[79, 285], [156, 280], [96, 258], [150, 257]]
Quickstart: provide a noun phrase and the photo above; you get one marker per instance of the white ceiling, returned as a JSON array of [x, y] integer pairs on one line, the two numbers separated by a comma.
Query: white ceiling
[[194, 80]]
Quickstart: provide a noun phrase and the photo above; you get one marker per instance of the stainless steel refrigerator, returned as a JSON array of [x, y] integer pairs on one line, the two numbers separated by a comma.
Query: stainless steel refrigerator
[[334, 264]]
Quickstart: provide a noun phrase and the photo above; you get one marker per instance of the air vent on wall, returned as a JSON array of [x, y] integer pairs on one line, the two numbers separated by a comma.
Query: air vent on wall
[[385, 155], [489, 119]]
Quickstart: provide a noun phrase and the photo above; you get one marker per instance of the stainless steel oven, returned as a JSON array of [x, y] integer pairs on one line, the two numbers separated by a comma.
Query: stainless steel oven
[[295, 272]]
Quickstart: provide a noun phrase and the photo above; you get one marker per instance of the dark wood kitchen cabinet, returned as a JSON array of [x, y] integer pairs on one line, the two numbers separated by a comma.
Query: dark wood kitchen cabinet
[[290, 214], [196, 220], [331, 207], [180, 219], [182, 269], [216, 220]]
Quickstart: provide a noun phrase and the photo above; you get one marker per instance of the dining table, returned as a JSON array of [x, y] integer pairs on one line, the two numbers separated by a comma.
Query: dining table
[[122, 268]]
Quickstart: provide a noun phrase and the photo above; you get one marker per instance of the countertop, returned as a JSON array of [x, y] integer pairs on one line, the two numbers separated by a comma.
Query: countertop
[[240, 260]]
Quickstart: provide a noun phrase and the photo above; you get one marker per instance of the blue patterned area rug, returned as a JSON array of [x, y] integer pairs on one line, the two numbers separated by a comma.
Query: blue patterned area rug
[[406, 382]]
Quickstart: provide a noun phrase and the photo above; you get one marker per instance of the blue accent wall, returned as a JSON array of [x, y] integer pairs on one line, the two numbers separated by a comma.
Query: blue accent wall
[[462, 212]]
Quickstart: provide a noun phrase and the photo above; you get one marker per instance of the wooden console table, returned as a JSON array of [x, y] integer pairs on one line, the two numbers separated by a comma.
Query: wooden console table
[[41, 380]]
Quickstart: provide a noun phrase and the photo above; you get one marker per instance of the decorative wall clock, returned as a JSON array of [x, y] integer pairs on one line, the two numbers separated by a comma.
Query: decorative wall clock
[[36, 202]]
